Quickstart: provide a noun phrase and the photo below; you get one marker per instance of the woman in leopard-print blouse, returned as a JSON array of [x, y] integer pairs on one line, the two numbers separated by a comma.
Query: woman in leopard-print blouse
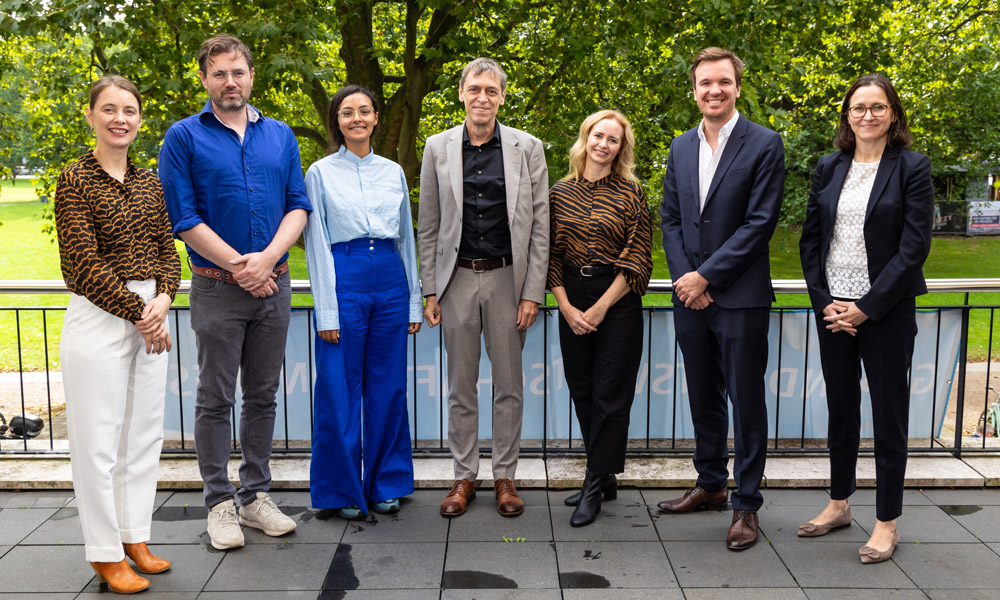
[[118, 259]]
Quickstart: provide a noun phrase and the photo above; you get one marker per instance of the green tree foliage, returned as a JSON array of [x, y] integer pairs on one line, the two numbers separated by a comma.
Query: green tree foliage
[[565, 58]]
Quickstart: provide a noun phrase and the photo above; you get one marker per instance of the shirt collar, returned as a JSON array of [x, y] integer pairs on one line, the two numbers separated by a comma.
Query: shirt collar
[[726, 130], [253, 115], [346, 154], [496, 133]]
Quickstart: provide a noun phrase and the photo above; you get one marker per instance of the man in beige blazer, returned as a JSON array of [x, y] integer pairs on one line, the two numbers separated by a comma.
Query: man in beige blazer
[[483, 233]]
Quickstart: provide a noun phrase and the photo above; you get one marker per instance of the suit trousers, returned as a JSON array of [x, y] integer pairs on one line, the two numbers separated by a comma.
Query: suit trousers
[[361, 449], [237, 334], [886, 347], [725, 353], [483, 304], [114, 418], [601, 368]]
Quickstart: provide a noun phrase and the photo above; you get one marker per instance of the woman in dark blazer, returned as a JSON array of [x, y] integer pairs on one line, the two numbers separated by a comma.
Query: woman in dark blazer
[[866, 235]]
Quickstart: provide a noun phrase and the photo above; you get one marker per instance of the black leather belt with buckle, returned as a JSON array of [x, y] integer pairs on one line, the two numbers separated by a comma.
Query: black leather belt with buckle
[[590, 270], [481, 265]]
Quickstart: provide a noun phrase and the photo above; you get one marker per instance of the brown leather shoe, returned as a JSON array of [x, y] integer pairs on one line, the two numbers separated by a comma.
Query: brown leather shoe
[[119, 577], [743, 531], [694, 499], [145, 561], [509, 504], [461, 493]]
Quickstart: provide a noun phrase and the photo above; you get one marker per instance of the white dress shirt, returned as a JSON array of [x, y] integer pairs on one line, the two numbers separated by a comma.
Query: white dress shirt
[[708, 161]]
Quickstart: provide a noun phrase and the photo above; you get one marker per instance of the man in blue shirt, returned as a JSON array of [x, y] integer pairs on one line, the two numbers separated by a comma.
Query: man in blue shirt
[[233, 186]]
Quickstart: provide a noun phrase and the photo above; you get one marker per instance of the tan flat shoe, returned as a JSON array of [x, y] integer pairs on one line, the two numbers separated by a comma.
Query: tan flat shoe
[[145, 561], [871, 555], [844, 519], [119, 577]]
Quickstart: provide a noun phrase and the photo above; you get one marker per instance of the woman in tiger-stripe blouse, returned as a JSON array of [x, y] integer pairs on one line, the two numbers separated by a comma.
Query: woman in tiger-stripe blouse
[[599, 267]]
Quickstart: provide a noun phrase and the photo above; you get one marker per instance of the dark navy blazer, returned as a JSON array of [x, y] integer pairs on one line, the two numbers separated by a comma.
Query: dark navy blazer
[[728, 242], [897, 228]]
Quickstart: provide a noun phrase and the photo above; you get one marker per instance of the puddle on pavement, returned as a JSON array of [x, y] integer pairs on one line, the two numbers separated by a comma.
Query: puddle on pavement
[[340, 575], [960, 510], [582, 580], [476, 580], [180, 513]]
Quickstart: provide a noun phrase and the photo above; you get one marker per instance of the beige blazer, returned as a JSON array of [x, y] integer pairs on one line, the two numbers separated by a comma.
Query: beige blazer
[[439, 225]]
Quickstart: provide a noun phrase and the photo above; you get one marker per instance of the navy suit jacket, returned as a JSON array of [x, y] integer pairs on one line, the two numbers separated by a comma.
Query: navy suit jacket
[[897, 228], [727, 243]]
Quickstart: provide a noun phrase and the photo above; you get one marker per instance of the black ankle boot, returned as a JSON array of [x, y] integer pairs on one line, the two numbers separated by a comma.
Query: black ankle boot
[[609, 488], [590, 500]]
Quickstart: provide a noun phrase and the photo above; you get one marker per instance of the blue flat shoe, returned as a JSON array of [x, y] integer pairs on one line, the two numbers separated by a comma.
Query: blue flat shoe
[[386, 506], [350, 513]]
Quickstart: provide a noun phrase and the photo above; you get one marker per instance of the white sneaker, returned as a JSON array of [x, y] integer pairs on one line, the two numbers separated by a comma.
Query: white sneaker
[[264, 514], [224, 526]]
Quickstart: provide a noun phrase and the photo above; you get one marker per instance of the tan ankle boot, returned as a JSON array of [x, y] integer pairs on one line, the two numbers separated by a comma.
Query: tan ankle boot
[[119, 577], [145, 561]]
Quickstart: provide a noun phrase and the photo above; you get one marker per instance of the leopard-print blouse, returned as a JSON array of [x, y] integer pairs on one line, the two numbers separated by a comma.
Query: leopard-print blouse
[[110, 232]]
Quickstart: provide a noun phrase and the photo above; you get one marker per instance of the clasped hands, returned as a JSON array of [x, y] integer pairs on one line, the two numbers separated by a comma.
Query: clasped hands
[[152, 325], [843, 316], [692, 289], [254, 272]]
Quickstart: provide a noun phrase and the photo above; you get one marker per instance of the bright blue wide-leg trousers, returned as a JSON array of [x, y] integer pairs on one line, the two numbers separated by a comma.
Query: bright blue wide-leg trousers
[[361, 436]]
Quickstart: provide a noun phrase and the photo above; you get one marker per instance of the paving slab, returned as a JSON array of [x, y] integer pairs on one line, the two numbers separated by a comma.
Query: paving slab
[[795, 497], [36, 473], [918, 524], [174, 524], [500, 565], [192, 566], [412, 524], [537, 594], [981, 497], [149, 593], [440, 473], [701, 525], [988, 467], [803, 471], [836, 564], [741, 594], [781, 523], [62, 528], [17, 523], [276, 566], [4, 550], [606, 564], [942, 566], [40, 596], [961, 594], [385, 566], [711, 564], [629, 594], [35, 499], [623, 520], [859, 594], [981, 521], [28, 569], [482, 522], [285, 595], [311, 527], [912, 497]]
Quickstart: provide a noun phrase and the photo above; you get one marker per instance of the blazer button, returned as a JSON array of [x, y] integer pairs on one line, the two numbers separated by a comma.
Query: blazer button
[[696, 255], [697, 224], [870, 246]]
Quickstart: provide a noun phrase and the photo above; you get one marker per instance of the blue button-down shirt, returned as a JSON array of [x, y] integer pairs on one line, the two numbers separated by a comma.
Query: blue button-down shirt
[[356, 198], [241, 191]]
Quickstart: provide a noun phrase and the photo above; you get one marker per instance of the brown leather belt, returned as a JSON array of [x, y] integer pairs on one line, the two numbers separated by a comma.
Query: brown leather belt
[[227, 276], [481, 265]]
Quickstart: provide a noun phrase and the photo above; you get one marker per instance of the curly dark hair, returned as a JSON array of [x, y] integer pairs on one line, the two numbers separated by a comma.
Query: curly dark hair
[[899, 132]]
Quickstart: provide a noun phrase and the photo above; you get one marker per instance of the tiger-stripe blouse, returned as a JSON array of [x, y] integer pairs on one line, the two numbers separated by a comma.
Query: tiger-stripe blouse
[[110, 232], [600, 222]]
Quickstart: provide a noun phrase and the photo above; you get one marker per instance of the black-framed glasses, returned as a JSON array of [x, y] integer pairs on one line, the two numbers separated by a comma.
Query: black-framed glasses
[[858, 110], [220, 76]]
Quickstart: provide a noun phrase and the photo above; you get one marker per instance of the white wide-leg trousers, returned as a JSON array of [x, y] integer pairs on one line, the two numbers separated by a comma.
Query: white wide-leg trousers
[[114, 416]]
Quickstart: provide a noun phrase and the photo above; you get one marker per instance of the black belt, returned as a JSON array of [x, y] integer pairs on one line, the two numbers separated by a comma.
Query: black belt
[[481, 265], [588, 270]]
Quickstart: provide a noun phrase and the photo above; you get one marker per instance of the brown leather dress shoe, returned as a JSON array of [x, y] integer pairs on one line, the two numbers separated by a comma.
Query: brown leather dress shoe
[[743, 531], [145, 561], [694, 499], [509, 504], [119, 577], [458, 498]]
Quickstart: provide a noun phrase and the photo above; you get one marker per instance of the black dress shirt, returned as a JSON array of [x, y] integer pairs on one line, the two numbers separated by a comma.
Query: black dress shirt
[[485, 231]]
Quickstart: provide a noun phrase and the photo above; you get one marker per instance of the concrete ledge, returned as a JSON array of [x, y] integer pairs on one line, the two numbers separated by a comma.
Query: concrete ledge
[[181, 473]]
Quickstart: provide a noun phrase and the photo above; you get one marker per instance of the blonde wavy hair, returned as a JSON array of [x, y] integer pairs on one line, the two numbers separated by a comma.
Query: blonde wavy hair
[[624, 163]]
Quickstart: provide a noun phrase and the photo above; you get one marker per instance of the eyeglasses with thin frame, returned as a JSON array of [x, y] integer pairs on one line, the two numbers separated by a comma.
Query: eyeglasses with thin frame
[[220, 76], [364, 111], [858, 111]]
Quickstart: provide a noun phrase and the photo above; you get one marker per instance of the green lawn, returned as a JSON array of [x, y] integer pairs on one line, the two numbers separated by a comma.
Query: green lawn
[[27, 252]]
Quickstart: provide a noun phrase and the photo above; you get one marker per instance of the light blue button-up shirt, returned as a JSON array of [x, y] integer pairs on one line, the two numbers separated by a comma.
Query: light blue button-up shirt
[[356, 198]]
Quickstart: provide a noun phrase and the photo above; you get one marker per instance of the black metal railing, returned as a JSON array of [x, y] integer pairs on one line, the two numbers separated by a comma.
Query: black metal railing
[[660, 429]]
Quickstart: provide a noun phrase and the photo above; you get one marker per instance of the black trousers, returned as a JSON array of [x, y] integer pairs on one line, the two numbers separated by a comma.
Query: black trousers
[[601, 369], [886, 347], [725, 354]]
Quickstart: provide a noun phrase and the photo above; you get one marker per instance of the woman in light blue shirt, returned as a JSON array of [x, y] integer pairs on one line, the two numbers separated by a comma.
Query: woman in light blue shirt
[[363, 272]]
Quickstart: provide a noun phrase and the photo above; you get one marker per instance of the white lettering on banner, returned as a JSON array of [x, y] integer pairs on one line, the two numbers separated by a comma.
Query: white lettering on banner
[[298, 380], [814, 383], [664, 383], [537, 385], [428, 378], [922, 384]]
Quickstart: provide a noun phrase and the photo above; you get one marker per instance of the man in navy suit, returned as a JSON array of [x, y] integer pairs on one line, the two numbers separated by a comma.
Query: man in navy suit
[[721, 197]]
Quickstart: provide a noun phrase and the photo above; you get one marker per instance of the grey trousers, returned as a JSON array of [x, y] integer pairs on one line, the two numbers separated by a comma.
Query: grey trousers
[[237, 333], [483, 304]]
